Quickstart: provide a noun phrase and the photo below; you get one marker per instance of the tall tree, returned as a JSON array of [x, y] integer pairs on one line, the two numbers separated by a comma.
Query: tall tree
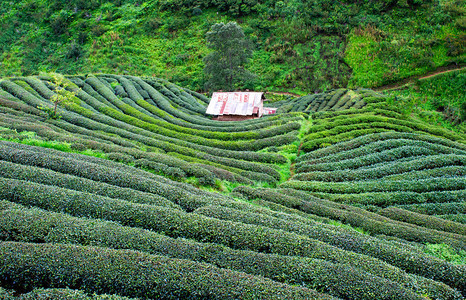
[[224, 66]]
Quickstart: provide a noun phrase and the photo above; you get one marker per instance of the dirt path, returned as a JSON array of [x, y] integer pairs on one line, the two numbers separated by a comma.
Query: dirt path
[[441, 70]]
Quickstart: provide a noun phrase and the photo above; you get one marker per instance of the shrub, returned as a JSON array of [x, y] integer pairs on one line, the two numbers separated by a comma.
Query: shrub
[[29, 225], [103, 171], [48, 177], [160, 168], [173, 130], [431, 163], [436, 208], [356, 187], [175, 223], [363, 160], [58, 294], [423, 220], [120, 157], [357, 217], [392, 253], [370, 138], [131, 273]]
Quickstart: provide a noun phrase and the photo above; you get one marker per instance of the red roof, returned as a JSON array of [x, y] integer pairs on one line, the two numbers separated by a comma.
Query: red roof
[[236, 103]]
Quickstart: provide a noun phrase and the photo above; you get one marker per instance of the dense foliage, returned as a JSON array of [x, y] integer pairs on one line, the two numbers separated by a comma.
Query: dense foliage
[[438, 97], [124, 116], [134, 192], [231, 50], [304, 46]]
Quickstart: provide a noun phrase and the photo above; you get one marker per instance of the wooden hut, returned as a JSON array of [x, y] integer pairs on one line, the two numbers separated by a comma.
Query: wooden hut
[[237, 106]]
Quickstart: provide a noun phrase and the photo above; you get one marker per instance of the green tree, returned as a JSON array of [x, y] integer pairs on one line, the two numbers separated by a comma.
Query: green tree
[[62, 88], [224, 66]]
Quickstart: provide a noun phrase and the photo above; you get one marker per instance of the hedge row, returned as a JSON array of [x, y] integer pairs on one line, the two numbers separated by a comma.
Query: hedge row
[[177, 95], [22, 83], [53, 131], [89, 135], [357, 126], [377, 146], [411, 152], [175, 223], [249, 124], [161, 101], [449, 171], [49, 177], [125, 176], [256, 176], [384, 199], [391, 253], [172, 172], [234, 163], [377, 108], [180, 146], [87, 98], [356, 217], [437, 208], [340, 99], [459, 218], [223, 174], [95, 96], [166, 107], [43, 152], [370, 138], [131, 273], [19, 92], [317, 143], [120, 128], [434, 162], [260, 133], [169, 129], [230, 145], [119, 153], [344, 120], [423, 220], [356, 187], [172, 115], [98, 170], [56, 293], [22, 107], [29, 225], [338, 125], [161, 163]]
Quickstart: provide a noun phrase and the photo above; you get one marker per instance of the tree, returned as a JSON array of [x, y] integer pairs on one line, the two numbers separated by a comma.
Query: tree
[[224, 66], [62, 95]]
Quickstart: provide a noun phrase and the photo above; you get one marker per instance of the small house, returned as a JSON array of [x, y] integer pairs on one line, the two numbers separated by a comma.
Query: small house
[[237, 106]]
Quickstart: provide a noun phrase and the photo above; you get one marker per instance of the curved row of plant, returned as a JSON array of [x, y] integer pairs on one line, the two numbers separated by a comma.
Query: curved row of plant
[[119, 127], [333, 100], [311, 273], [175, 223], [385, 169], [131, 273], [333, 127]]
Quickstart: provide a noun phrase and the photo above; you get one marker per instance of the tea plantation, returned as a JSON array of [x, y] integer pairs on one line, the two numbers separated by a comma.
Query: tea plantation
[[131, 192]]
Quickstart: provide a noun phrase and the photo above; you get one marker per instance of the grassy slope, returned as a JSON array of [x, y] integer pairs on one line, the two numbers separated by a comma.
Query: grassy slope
[[300, 47]]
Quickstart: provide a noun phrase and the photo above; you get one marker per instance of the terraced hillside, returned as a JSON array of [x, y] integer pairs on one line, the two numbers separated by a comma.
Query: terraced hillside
[[136, 199], [152, 124]]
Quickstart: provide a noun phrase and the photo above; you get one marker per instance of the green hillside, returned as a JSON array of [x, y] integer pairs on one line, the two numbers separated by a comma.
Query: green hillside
[[115, 184], [300, 46], [131, 191]]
